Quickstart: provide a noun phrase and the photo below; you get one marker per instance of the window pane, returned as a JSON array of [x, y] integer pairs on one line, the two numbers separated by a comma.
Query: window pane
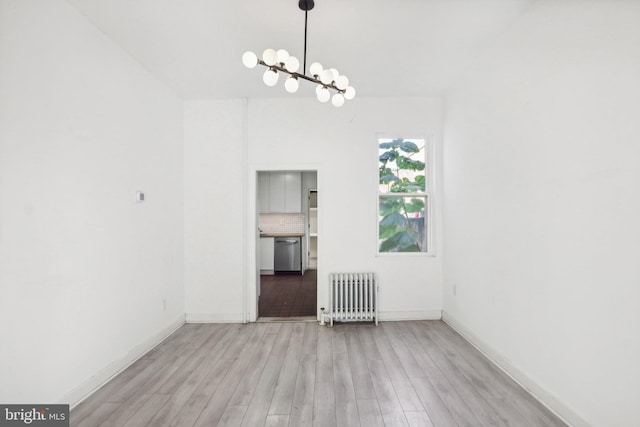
[[401, 225], [402, 165]]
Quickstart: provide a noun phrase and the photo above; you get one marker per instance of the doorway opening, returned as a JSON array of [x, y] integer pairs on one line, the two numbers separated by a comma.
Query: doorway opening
[[287, 251]]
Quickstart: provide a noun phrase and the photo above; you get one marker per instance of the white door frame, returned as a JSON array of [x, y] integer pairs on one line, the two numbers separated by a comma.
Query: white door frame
[[252, 235]]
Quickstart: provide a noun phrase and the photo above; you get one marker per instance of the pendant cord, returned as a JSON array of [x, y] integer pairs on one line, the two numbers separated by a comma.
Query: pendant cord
[[304, 68]]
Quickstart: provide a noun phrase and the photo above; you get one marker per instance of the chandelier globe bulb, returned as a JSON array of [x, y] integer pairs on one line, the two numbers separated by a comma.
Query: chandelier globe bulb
[[315, 69], [291, 84], [281, 56], [270, 77], [337, 100], [326, 77], [349, 93], [323, 94], [342, 82], [249, 59], [292, 64], [270, 57]]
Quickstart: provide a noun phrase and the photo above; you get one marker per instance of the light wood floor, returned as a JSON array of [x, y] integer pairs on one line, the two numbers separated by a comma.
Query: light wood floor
[[418, 373]]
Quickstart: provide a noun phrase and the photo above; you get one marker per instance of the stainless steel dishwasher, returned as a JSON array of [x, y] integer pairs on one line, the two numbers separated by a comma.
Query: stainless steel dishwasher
[[287, 257]]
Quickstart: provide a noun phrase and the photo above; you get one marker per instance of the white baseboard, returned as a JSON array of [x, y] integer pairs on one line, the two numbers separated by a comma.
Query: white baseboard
[[387, 316], [88, 387], [214, 318], [545, 397], [390, 316]]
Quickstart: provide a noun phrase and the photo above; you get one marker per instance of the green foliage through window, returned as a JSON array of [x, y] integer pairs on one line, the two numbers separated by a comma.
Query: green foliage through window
[[402, 196]]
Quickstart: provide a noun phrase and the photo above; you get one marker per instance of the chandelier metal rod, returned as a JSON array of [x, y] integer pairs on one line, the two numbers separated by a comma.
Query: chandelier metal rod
[[301, 76], [304, 68]]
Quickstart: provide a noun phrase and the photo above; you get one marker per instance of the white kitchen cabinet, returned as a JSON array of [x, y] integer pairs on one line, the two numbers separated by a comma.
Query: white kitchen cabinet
[[266, 255], [263, 191], [280, 192], [293, 192], [276, 192]]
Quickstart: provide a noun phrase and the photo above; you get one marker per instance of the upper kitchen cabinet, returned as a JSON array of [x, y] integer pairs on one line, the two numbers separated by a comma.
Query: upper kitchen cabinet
[[276, 191], [280, 192], [263, 191], [293, 192]]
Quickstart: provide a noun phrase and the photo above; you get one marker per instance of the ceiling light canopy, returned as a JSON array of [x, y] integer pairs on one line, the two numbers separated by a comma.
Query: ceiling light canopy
[[327, 80]]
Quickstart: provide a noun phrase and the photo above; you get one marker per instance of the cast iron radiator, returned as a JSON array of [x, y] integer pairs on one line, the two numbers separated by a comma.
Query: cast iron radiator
[[353, 297]]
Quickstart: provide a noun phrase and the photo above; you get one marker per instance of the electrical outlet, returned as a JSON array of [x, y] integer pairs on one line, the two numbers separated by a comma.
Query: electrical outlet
[[455, 290], [164, 305]]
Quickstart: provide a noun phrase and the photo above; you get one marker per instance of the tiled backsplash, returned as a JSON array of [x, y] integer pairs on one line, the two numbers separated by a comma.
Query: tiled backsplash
[[274, 223]]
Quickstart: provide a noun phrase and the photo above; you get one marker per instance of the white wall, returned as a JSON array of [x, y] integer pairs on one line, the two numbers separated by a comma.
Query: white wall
[[215, 254], [542, 200], [298, 134], [83, 269]]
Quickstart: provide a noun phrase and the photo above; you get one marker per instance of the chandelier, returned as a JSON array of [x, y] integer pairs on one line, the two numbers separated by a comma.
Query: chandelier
[[326, 80]]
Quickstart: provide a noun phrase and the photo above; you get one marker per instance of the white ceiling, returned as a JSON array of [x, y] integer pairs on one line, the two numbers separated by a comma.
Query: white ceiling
[[385, 47]]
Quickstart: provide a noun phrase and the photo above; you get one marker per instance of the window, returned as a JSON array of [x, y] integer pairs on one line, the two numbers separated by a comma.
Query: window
[[403, 195]]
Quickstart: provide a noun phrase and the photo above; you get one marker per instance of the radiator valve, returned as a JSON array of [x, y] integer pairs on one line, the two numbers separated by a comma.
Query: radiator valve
[[322, 323]]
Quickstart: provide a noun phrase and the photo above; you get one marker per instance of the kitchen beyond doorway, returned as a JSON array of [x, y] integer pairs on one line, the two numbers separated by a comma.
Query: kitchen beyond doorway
[[287, 205]]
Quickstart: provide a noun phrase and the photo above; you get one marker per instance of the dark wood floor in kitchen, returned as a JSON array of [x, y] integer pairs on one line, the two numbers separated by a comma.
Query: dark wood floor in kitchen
[[288, 295]]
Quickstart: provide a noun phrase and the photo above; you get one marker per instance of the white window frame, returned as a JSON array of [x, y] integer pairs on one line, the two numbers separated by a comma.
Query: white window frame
[[427, 194]]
